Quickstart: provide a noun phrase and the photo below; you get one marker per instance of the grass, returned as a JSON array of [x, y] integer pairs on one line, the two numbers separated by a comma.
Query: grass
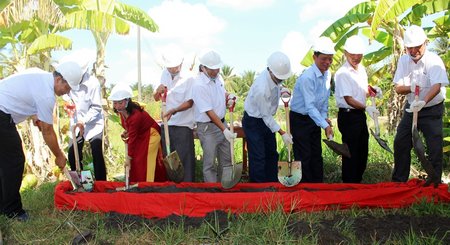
[[50, 226]]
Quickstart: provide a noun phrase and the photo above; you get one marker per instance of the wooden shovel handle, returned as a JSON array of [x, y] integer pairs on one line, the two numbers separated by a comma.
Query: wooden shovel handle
[[75, 149]]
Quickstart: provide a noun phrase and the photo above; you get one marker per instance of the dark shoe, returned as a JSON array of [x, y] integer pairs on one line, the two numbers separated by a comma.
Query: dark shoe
[[22, 216]]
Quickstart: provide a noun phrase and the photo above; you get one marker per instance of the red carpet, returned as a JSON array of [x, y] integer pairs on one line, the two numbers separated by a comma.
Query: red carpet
[[197, 199]]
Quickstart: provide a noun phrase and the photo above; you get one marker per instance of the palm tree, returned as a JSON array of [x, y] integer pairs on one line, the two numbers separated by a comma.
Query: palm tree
[[228, 77]]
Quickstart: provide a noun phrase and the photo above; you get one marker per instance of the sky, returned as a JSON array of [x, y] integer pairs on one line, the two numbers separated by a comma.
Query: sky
[[243, 32]]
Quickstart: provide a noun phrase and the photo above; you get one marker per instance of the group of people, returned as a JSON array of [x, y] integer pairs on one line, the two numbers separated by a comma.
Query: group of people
[[200, 99]]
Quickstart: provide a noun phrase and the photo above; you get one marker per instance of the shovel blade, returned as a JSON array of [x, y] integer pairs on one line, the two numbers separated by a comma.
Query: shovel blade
[[231, 175], [340, 149], [419, 149], [174, 168], [289, 174], [383, 143]]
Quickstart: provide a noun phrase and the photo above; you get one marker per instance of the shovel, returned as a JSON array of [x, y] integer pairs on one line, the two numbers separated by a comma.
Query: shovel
[[290, 172], [127, 172], [340, 149], [82, 177], [419, 148], [172, 162], [376, 134], [231, 175]]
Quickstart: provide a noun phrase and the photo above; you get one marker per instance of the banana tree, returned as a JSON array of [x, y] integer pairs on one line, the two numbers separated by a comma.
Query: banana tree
[[383, 21]]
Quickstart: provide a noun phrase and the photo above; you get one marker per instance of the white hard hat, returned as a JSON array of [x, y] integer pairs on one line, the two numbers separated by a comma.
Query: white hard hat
[[355, 45], [210, 59], [324, 45], [120, 91], [414, 36], [82, 56], [280, 65], [71, 72], [172, 58]]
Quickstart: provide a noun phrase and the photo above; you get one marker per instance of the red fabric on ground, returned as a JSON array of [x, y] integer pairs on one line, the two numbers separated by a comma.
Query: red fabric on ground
[[307, 197]]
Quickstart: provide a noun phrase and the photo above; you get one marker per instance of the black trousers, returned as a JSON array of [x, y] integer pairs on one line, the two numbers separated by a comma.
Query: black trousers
[[12, 161], [96, 144], [430, 124], [353, 127], [307, 147], [182, 141], [262, 150]]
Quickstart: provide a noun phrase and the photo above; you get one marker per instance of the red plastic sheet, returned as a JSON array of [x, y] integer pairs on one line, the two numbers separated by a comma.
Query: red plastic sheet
[[245, 197]]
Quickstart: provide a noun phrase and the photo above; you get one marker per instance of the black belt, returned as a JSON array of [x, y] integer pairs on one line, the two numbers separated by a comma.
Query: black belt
[[299, 115], [222, 120], [349, 110]]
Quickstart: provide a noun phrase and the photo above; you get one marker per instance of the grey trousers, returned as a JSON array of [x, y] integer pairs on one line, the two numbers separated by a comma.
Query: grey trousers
[[182, 141], [214, 146]]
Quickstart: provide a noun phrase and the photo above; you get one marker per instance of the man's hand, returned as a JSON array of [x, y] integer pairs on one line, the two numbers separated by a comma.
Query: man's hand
[[372, 111], [329, 132], [287, 139], [378, 91], [231, 100], [416, 106], [229, 135], [60, 161], [69, 108], [80, 126]]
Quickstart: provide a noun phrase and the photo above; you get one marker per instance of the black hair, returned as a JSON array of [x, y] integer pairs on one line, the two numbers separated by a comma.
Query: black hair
[[131, 106]]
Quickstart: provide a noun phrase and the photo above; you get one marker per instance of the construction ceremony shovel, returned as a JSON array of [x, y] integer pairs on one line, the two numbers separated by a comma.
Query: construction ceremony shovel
[[376, 134], [127, 167], [340, 149], [83, 178], [419, 147], [231, 175], [172, 162], [290, 172]]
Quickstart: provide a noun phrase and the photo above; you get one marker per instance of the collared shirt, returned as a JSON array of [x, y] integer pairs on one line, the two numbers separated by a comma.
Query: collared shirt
[[428, 71], [350, 82], [179, 90], [88, 102], [208, 95], [262, 100], [27, 93], [310, 96]]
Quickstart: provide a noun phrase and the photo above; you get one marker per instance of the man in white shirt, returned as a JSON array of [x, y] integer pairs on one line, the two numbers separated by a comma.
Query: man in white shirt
[[258, 123], [180, 114], [351, 92], [209, 97], [422, 68], [88, 117], [30, 93]]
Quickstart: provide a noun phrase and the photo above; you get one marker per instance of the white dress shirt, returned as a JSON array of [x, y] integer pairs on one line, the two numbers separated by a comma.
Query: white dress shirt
[[179, 90], [208, 95], [428, 71], [262, 100], [351, 82], [88, 103], [27, 93]]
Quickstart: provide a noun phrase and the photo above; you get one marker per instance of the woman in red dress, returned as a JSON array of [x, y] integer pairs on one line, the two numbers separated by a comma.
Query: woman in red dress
[[143, 136]]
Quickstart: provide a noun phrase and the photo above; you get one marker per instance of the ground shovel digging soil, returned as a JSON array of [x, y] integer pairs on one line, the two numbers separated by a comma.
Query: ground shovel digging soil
[[376, 134], [172, 162], [231, 175], [290, 172], [419, 148]]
